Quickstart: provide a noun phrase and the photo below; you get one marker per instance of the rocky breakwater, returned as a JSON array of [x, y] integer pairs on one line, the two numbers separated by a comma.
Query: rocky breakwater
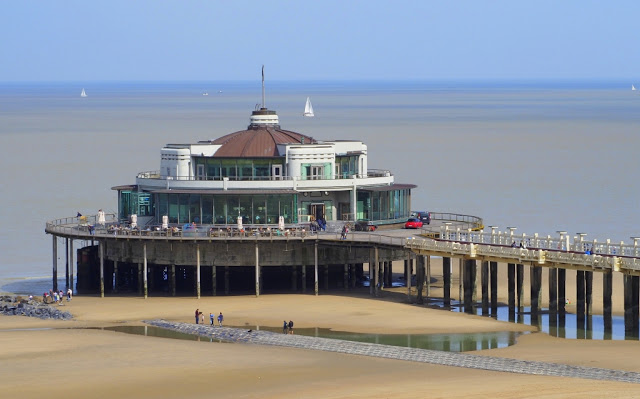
[[19, 306]]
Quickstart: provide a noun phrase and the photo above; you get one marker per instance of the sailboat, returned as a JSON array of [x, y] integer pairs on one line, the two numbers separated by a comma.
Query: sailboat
[[633, 87], [83, 94], [308, 109]]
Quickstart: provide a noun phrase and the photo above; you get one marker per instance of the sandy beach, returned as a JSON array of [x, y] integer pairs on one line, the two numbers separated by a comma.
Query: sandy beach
[[41, 357]]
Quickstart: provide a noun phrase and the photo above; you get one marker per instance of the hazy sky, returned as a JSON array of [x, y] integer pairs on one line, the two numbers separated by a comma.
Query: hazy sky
[[317, 40]]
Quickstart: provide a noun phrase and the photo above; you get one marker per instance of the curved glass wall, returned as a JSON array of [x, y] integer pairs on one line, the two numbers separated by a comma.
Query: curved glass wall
[[225, 209]]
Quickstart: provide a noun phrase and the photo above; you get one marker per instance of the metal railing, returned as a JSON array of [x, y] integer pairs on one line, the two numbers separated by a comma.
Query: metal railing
[[532, 249], [464, 222], [155, 175]]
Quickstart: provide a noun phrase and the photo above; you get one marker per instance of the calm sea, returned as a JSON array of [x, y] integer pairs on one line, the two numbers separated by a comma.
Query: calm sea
[[539, 156]]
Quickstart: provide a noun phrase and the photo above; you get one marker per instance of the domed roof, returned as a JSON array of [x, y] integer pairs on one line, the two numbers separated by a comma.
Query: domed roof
[[257, 142]]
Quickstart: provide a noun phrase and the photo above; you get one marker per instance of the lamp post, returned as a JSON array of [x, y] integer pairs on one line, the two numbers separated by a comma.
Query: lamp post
[[511, 231], [493, 234], [562, 235]]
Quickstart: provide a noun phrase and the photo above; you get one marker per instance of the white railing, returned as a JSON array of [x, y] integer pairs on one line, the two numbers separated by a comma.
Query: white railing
[[533, 251]]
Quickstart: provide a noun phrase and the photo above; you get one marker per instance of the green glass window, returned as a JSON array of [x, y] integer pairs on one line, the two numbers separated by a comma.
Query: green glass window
[[194, 208], [207, 209]]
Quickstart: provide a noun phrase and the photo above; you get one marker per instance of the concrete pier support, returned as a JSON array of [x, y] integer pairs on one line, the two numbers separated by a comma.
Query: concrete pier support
[[66, 275], [198, 272], [460, 281], [484, 286], [469, 283], [511, 288], [493, 277], [553, 292], [304, 278], [446, 279], [294, 279], [71, 281], [315, 265], [580, 298], [631, 297], [101, 247], [607, 291], [257, 265], [519, 291], [419, 278], [535, 273], [562, 290], [428, 278], [145, 287], [304, 270], [140, 278], [588, 292], [376, 273], [115, 277], [407, 277], [172, 279], [55, 263]]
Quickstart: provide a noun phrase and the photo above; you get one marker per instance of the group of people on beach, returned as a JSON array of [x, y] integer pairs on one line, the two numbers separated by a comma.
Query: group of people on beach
[[200, 318], [287, 327], [56, 297]]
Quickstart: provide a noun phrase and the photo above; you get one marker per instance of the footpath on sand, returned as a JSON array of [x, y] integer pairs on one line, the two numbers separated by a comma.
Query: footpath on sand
[[259, 337]]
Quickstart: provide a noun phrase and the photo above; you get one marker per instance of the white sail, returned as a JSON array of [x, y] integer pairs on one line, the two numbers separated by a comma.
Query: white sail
[[83, 94], [308, 108], [633, 87]]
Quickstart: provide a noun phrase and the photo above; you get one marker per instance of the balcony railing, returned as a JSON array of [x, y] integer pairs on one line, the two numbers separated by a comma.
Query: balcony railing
[[155, 175]]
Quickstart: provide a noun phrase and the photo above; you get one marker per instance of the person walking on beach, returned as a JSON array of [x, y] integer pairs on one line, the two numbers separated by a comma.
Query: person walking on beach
[[69, 294], [285, 326], [211, 318], [197, 315], [290, 327], [201, 318], [220, 318]]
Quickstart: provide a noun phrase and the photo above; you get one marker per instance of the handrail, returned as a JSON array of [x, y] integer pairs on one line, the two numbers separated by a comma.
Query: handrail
[[155, 175]]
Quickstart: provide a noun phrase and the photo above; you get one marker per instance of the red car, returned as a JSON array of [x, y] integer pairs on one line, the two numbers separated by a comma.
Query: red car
[[413, 223]]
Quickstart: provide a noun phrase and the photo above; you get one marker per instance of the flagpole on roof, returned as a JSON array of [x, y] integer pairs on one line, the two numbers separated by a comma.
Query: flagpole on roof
[[263, 87]]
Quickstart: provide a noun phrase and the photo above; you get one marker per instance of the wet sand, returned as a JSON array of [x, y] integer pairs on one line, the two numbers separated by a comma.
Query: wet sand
[[67, 360]]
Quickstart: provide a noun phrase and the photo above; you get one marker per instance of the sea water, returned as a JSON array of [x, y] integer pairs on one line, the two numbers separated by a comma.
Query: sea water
[[541, 156]]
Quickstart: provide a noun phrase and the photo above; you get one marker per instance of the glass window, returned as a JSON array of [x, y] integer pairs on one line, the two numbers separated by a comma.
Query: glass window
[[220, 209], [213, 169], [259, 209], [183, 208], [273, 208], [173, 208], [163, 206], [262, 169], [207, 209], [245, 167], [229, 169], [194, 208], [246, 209]]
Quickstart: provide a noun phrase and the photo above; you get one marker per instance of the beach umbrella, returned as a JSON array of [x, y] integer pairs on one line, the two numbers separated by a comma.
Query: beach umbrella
[[281, 222], [165, 222], [239, 222], [134, 221]]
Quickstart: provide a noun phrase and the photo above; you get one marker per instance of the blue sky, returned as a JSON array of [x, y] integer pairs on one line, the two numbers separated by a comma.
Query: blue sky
[[319, 40]]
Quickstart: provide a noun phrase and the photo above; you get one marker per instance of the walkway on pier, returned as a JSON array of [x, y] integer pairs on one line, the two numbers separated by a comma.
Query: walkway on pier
[[489, 363]]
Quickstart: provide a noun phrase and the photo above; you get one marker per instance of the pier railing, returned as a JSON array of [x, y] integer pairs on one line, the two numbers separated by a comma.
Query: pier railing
[[507, 246]]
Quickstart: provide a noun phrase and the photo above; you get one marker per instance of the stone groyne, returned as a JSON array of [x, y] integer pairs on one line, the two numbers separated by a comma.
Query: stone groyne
[[400, 353], [19, 306]]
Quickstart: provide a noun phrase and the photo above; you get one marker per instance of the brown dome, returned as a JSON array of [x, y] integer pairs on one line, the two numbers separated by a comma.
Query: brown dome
[[257, 142]]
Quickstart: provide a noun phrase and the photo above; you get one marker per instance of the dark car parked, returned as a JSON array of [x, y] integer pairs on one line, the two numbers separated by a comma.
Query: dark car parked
[[365, 225], [424, 216]]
